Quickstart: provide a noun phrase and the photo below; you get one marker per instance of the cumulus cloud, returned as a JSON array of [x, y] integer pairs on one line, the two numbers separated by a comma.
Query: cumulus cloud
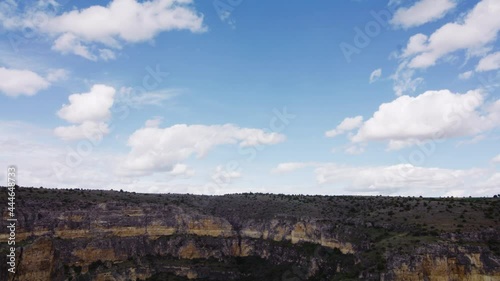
[[348, 124], [92, 106], [43, 162], [396, 179], [430, 116], [375, 75], [15, 82], [393, 177], [46, 163], [489, 62], [488, 186], [477, 29], [422, 12], [416, 44], [90, 111], [81, 32], [87, 130], [182, 170], [156, 149]]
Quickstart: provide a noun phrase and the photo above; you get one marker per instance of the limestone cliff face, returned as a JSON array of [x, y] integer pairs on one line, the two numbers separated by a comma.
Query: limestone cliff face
[[110, 221], [119, 240], [444, 263], [114, 233]]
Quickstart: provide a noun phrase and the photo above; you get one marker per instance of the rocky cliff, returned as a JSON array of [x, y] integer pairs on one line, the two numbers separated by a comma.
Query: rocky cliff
[[111, 235]]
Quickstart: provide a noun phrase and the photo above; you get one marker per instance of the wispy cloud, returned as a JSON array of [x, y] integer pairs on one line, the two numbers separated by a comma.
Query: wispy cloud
[[136, 98], [375, 75]]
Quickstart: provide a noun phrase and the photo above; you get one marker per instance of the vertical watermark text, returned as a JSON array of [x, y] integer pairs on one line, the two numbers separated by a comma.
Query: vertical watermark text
[[11, 219]]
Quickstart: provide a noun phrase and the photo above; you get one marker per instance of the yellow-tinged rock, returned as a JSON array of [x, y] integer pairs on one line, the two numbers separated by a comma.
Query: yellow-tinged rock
[[37, 261], [106, 276], [189, 251], [91, 254], [344, 247], [209, 227], [441, 269], [126, 231], [191, 275], [70, 217], [72, 233], [160, 230]]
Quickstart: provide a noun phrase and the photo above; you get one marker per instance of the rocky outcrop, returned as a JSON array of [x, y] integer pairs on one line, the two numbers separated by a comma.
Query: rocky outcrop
[[121, 240], [444, 263]]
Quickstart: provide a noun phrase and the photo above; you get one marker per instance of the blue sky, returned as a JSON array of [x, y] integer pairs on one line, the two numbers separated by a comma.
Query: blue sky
[[330, 97]]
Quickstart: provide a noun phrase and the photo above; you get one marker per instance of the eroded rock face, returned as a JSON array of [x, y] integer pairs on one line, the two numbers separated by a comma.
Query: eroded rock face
[[446, 262], [120, 240]]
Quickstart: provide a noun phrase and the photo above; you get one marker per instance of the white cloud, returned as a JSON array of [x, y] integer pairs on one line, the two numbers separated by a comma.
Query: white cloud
[[87, 130], [42, 161], [496, 159], [489, 62], [422, 12], [82, 32], [181, 170], [404, 81], [488, 186], [416, 44], [128, 20], [432, 115], [225, 176], [45, 163], [159, 149], [56, 74], [375, 75], [399, 179], [15, 82], [88, 110], [465, 75], [8, 13], [92, 106], [107, 54], [348, 124], [391, 178], [476, 30], [153, 123], [131, 97], [70, 44]]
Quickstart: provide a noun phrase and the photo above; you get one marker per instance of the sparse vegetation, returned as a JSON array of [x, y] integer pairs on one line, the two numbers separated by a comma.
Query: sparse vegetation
[[380, 224]]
